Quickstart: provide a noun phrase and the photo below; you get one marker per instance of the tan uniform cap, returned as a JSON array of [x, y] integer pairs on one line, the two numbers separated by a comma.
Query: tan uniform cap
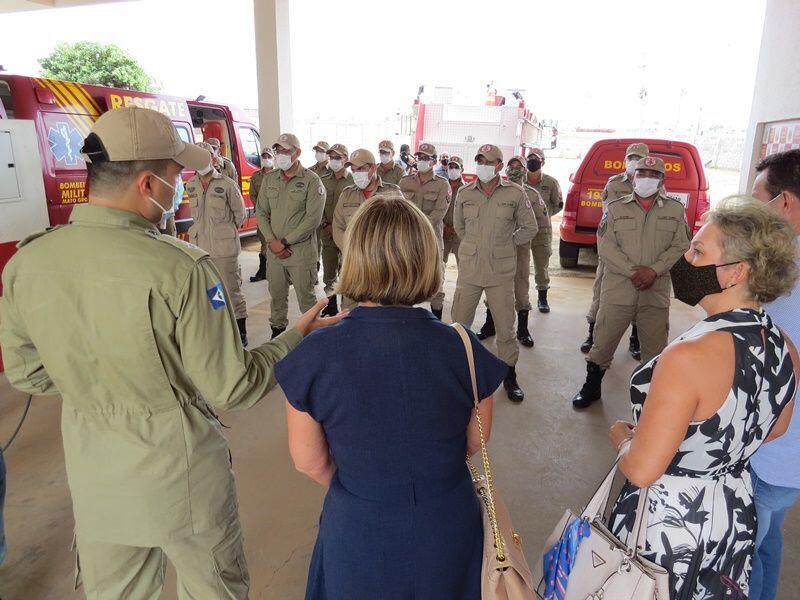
[[386, 145], [322, 146], [457, 160], [637, 149], [538, 153], [427, 149], [360, 157], [520, 159], [490, 152], [205, 146], [135, 133], [287, 141], [653, 163], [268, 151], [340, 149], [214, 143]]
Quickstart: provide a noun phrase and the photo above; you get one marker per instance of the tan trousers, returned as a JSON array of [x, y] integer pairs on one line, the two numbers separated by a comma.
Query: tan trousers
[[231, 273], [451, 245], [500, 300], [522, 281], [598, 283], [542, 249], [612, 323], [279, 278], [264, 247], [209, 565], [331, 263]]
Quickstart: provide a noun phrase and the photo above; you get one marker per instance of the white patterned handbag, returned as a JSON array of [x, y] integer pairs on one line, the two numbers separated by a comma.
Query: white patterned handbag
[[605, 568]]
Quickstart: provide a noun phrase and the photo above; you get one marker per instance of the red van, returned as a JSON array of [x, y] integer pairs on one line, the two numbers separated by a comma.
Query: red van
[[685, 180], [63, 113]]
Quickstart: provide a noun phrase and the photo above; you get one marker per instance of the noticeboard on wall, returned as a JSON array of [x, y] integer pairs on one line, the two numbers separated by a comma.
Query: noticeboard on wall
[[780, 136]]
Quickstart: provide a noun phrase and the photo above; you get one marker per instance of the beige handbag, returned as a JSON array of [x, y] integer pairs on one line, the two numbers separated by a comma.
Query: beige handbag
[[604, 566], [505, 573]]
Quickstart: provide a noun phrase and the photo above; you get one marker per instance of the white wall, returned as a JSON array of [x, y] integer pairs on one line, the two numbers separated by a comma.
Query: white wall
[[777, 90]]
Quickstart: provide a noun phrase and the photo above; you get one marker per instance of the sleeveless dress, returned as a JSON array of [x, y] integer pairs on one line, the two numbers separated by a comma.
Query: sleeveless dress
[[702, 519]]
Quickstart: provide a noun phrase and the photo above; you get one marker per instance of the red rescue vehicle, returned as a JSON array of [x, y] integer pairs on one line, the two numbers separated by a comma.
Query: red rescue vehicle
[[685, 180], [43, 123]]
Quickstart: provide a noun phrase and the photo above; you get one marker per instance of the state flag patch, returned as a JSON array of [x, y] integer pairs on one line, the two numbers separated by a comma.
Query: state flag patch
[[216, 295]]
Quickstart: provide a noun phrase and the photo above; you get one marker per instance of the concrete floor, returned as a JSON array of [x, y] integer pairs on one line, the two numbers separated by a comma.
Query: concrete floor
[[546, 457]]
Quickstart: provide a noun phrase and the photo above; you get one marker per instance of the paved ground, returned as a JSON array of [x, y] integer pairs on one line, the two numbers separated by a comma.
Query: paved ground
[[546, 457]]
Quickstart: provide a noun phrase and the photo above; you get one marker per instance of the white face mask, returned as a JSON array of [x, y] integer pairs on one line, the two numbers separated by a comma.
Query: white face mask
[[646, 186], [361, 179], [267, 163], [284, 162], [454, 174], [423, 166], [386, 158], [336, 164], [177, 192], [486, 173], [205, 171], [320, 156], [630, 167]]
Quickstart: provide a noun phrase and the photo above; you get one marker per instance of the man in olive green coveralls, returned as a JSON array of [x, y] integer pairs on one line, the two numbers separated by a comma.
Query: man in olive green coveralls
[[153, 351]]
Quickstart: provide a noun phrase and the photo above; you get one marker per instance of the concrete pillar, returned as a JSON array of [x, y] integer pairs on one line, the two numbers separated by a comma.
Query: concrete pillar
[[777, 89], [273, 68]]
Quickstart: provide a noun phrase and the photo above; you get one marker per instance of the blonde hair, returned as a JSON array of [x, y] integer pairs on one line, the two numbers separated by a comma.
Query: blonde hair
[[390, 256], [755, 234]]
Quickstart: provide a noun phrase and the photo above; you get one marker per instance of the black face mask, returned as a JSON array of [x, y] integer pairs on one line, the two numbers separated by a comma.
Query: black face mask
[[691, 284], [534, 164]]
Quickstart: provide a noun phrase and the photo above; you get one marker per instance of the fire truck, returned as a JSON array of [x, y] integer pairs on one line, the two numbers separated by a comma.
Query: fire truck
[[460, 129], [43, 123]]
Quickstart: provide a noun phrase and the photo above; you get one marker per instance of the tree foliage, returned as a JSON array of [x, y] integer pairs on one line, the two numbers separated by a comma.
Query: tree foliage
[[99, 64]]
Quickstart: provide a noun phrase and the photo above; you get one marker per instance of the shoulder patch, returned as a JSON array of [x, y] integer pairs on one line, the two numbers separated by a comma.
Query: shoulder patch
[[216, 296], [601, 229], [27, 240], [191, 250]]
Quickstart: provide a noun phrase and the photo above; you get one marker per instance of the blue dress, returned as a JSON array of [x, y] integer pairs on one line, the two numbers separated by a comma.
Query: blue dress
[[391, 388]]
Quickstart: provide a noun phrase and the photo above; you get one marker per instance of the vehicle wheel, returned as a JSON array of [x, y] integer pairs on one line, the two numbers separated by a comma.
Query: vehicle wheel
[[568, 254]]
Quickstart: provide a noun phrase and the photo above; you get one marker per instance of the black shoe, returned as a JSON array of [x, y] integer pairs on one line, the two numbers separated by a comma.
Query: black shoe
[[261, 274], [242, 324], [523, 335], [544, 307], [589, 341], [591, 390], [513, 391], [332, 309], [276, 331], [437, 313], [633, 344], [487, 330]]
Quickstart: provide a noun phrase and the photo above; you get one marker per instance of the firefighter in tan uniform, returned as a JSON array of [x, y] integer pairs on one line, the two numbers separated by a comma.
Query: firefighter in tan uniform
[[639, 239], [218, 212], [222, 163], [267, 166], [335, 182], [289, 209], [455, 177], [431, 194], [367, 184], [147, 463], [515, 171], [492, 217], [390, 171], [618, 185], [321, 156], [542, 245]]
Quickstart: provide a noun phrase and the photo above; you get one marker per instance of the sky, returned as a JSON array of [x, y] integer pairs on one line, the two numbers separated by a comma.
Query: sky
[[579, 61]]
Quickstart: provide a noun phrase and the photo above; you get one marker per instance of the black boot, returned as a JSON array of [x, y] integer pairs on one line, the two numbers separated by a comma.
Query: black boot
[[276, 331], [437, 313], [633, 345], [544, 307], [261, 274], [589, 341], [591, 390], [487, 330], [513, 391], [332, 309], [242, 324], [523, 335]]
